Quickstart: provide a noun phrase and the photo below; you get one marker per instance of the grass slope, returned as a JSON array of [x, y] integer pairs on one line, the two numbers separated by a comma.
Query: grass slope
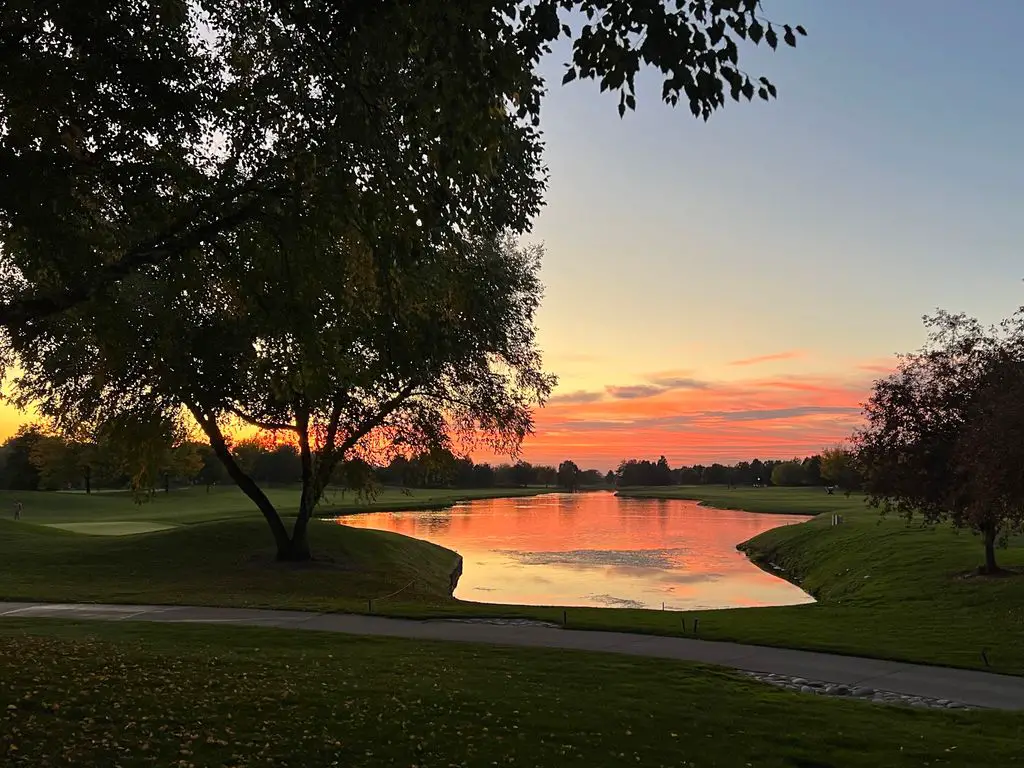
[[221, 563], [140, 695]]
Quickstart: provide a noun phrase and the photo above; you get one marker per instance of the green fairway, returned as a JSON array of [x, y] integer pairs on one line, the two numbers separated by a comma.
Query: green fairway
[[137, 695], [196, 504]]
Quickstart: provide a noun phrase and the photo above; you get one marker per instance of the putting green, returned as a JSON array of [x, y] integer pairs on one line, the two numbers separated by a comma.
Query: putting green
[[112, 527]]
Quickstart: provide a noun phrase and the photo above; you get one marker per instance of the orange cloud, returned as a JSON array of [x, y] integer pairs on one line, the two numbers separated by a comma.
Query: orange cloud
[[789, 355], [769, 418], [883, 366]]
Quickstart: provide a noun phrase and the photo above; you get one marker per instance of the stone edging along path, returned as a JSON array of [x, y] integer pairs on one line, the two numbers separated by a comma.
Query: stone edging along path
[[859, 693], [889, 681]]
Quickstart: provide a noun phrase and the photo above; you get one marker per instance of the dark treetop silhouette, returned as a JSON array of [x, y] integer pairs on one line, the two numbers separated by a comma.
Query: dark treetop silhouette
[[218, 206]]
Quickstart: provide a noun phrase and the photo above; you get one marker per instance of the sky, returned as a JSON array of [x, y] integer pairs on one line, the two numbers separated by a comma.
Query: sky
[[724, 290]]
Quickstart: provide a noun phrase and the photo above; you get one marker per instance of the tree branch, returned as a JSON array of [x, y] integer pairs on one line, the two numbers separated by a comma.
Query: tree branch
[[156, 250], [270, 426], [372, 423], [220, 448]]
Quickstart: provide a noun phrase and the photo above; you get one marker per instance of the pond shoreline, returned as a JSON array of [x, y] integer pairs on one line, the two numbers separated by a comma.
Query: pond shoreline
[[595, 550]]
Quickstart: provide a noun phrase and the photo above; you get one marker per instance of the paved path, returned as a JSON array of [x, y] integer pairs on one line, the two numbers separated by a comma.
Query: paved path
[[979, 689]]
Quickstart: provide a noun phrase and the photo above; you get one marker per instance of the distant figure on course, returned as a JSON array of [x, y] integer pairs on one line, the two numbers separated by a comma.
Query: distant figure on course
[[17, 509]]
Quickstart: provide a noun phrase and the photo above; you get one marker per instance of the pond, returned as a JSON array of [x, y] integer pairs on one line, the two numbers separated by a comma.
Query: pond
[[597, 549]]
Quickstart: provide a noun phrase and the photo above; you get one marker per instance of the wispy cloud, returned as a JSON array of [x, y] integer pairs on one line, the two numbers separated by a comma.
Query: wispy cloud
[[679, 382], [578, 397], [788, 355], [770, 414], [881, 367], [635, 391]]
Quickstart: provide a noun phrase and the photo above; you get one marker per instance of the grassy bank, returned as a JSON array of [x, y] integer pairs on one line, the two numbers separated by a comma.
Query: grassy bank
[[228, 562], [778, 501], [136, 695], [884, 587]]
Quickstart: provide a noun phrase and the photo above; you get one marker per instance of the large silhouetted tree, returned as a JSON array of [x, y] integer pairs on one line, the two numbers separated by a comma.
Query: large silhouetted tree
[[281, 213], [317, 362]]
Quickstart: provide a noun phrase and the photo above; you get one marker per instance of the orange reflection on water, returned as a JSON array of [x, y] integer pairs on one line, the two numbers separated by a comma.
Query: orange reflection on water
[[596, 549]]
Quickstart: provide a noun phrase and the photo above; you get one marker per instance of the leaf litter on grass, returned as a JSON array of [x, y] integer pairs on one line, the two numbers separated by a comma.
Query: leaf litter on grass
[[75, 695]]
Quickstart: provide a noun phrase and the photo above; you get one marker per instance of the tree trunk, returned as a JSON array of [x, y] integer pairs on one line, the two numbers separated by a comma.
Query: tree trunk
[[88, 480], [298, 547], [990, 532], [285, 550]]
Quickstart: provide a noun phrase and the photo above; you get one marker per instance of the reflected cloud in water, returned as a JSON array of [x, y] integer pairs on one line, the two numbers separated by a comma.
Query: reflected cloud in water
[[595, 549]]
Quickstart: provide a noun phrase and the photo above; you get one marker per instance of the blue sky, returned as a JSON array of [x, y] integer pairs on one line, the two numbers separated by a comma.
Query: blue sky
[[886, 180]]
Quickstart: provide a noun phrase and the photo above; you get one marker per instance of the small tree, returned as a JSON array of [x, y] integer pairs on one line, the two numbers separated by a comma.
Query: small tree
[[812, 470], [568, 476], [789, 473], [20, 473], [839, 468], [522, 473], [988, 461], [545, 475], [211, 470], [942, 431], [58, 462]]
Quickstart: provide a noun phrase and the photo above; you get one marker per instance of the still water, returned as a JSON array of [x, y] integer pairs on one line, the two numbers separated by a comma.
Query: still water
[[596, 549]]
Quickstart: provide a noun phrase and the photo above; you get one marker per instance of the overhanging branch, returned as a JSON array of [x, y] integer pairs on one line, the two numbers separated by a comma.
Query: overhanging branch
[[156, 250]]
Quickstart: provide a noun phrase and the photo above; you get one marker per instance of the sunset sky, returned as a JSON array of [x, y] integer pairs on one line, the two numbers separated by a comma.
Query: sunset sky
[[728, 290]]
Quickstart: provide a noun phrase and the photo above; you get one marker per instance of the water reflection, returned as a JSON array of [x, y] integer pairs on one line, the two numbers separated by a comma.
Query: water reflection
[[599, 550]]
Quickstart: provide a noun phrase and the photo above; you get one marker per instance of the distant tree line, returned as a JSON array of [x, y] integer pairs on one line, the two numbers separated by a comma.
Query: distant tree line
[[833, 467], [36, 460]]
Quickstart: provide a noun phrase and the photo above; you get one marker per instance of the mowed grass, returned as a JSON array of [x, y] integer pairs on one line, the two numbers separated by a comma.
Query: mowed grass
[[884, 589], [157, 695], [229, 562], [112, 528], [183, 506]]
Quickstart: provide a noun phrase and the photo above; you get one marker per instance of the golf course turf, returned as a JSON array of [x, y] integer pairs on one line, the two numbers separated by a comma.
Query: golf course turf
[[138, 695], [884, 588]]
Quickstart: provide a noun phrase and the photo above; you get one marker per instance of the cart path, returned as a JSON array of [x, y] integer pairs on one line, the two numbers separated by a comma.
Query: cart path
[[973, 688]]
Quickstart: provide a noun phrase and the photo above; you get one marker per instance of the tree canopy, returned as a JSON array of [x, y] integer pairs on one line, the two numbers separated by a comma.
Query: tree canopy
[[318, 361], [136, 132], [568, 475]]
